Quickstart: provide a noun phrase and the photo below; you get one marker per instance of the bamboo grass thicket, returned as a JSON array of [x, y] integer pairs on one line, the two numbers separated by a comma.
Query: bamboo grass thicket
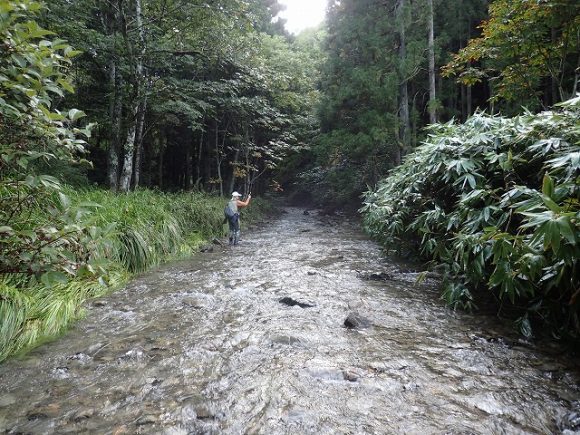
[[141, 230], [495, 202]]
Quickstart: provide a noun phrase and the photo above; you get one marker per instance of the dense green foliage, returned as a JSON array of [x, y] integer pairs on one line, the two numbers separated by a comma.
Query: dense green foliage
[[187, 95], [529, 53], [138, 231], [375, 86], [40, 238], [496, 201]]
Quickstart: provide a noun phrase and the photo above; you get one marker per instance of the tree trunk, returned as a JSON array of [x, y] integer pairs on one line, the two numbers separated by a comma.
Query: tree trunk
[[189, 163], [469, 102], [129, 148], [198, 173], [432, 93], [139, 141], [463, 103], [234, 166], [403, 86], [139, 98], [162, 146], [218, 159], [115, 114]]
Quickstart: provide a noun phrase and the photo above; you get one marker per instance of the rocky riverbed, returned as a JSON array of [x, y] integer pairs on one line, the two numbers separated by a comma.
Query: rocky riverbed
[[284, 335]]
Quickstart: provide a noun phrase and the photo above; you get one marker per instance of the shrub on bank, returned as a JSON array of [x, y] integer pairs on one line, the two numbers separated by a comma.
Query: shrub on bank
[[125, 234], [496, 203]]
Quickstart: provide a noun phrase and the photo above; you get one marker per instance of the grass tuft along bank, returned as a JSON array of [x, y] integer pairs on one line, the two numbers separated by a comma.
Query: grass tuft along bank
[[126, 234]]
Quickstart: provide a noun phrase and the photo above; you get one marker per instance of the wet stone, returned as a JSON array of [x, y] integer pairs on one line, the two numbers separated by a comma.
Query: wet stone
[[61, 372], [203, 412], [146, 419], [350, 375], [79, 357], [356, 321], [375, 276], [43, 412], [293, 302], [83, 414], [285, 340]]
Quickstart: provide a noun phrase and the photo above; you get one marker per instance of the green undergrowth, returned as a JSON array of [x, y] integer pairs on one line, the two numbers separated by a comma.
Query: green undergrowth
[[127, 234], [495, 204]]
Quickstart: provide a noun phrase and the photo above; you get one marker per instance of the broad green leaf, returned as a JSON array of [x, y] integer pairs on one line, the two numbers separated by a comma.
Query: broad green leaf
[[75, 114], [548, 186]]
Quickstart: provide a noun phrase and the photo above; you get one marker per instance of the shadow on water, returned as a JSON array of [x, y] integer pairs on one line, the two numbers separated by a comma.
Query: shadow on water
[[252, 340]]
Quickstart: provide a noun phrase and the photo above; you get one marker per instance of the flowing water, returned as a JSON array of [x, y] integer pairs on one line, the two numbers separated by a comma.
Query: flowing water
[[204, 346]]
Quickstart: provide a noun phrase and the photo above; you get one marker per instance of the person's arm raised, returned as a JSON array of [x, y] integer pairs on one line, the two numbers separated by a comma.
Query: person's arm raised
[[246, 202]]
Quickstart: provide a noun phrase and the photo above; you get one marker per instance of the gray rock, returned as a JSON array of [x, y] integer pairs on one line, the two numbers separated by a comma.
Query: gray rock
[[292, 302], [286, 340], [146, 419], [203, 412], [350, 375], [356, 321]]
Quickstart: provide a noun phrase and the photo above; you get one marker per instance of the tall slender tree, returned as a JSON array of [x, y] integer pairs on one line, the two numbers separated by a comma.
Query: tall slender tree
[[432, 91]]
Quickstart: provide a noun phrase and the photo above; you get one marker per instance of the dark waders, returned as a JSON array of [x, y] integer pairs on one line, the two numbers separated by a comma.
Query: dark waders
[[234, 224]]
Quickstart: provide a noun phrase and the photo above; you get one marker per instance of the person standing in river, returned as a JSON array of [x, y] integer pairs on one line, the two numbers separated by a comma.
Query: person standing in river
[[233, 215]]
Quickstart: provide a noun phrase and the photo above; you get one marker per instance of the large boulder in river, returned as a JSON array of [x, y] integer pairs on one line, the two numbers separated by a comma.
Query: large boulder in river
[[356, 321]]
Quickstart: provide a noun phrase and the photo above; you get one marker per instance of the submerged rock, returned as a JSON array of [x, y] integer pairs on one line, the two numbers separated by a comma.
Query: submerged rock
[[146, 419], [203, 412], [292, 302], [375, 276], [287, 340], [356, 321], [83, 414]]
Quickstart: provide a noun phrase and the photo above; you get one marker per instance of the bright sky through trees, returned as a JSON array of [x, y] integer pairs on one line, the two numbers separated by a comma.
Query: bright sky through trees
[[301, 14]]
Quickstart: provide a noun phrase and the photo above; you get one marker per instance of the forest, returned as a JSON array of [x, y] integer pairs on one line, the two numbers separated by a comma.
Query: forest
[[125, 124]]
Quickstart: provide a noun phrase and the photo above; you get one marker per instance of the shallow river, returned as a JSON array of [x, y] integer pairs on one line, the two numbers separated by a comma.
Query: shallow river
[[204, 346]]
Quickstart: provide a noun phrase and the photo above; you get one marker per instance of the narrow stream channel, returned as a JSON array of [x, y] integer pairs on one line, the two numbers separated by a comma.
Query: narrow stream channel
[[204, 346]]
